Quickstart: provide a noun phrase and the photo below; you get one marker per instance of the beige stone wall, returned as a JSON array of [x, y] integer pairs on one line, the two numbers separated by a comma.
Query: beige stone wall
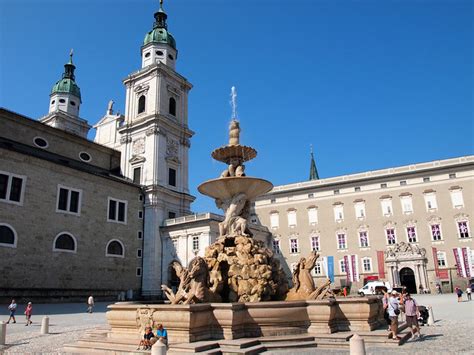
[[34, 265], [325, 193]]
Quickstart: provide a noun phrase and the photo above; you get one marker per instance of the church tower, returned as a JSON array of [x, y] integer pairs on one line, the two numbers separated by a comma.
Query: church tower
[[64, 103], [154, 139]]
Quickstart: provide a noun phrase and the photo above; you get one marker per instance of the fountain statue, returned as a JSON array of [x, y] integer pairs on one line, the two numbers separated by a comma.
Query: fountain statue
[[239, 268]]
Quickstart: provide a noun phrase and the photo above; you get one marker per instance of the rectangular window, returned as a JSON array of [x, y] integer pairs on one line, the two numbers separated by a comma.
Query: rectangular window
[[341, 241], [452, 176], [360, 210], [274, 220], [339, 213], [171, 215], [315, 246], [292, 218], [117, 211], [463, 229], [383, 186], [317, 268], [435, 232], [310, 195], [140, 214], [441, 259], [195, 242], [11, 187], [426, 179], [457, 199], [411, 234], [139, 235], [276, 246], [367, 264], [294, 248], [137, 175], [139, 271], [390, 233], [69, 200], [363, 239], [403, 183], [172, 177], [407, 205], [386, 207], [342, 266], [431, 203], [313, 215], [139, 253], [357, 188], [336, 192]]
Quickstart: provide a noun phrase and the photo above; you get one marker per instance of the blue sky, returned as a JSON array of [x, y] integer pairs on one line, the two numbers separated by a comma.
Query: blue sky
[[371, 84]]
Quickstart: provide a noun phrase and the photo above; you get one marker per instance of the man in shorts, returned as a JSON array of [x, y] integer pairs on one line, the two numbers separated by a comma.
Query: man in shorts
[[412, 314], [393, 312]]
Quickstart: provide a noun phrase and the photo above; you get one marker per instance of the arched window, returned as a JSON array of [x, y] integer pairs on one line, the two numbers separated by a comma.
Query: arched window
[[7, 236], [141, 104], [115, 248], [65, 242], [172, 108]]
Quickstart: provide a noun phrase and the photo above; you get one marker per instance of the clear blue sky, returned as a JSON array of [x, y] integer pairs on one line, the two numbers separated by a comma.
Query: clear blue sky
[[371, 84]]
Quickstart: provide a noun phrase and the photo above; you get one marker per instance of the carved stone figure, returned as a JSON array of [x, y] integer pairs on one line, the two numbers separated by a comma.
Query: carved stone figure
[[303, 284], [234, 222], [234, 132]]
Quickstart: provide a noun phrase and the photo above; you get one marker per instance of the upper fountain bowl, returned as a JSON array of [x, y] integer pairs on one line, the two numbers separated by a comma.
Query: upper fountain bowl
[[226, 188], [227, 153]]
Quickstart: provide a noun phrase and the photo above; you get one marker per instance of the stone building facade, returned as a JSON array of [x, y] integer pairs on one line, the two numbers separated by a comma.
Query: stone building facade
[[70, 224], [427, 206]]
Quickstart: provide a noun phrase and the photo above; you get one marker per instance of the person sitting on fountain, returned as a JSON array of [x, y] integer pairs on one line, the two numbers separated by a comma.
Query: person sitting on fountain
[[147, 340]]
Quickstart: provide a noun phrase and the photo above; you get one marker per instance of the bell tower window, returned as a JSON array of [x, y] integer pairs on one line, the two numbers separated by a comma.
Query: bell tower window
[[141, 104], [172, 106]]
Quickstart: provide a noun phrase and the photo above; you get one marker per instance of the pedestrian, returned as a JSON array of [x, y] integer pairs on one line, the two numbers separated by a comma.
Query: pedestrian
[[468, 293], [344, 291], [162, 334], [412, 313], [90, 304], [12, 309], [438, 288], [28, 312], [459, 293], [421, 289], [385, 309], [393, 312]]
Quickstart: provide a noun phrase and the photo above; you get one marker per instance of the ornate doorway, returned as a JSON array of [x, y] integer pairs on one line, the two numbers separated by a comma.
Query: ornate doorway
[[406, 265], [407, 279]]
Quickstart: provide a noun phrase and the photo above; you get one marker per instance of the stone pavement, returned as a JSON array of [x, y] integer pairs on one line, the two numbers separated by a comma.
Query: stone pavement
[[452, 333]]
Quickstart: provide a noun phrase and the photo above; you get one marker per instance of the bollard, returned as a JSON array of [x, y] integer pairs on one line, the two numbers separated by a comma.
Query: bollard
[[45, 325], [159, 349], [431, 320], [357, 345], [3, 333]]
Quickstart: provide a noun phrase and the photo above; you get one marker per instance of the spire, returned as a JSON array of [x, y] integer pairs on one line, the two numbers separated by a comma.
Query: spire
[[160, 18], [313, 172], [69, 68]]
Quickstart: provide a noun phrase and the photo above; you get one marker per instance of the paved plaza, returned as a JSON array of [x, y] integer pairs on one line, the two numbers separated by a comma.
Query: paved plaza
[[452, 333]]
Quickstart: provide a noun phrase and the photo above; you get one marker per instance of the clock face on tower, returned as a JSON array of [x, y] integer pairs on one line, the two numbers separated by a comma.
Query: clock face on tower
[[138, 146]]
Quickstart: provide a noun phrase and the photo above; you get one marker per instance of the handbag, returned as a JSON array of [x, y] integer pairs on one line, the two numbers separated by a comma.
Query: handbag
[[396, 311]]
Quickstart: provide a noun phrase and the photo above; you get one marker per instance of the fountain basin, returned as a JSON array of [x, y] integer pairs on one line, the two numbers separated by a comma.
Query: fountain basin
[[226, 188], [241, 152]]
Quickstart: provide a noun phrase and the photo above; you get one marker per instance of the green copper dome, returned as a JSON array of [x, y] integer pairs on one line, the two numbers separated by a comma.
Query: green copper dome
[[159, 33], [67, 83]]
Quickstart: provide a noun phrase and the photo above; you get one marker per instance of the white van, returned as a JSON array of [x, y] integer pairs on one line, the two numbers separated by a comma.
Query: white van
[[372, 288]]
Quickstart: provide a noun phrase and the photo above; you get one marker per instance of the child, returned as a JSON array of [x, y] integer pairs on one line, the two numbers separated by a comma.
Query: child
[[28, 312], [146, 342]]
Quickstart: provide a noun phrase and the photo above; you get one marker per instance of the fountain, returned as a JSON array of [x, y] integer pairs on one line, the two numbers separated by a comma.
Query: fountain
[[238, 289]]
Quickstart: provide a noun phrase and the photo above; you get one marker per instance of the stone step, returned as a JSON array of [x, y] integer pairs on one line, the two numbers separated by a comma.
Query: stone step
[[404, 335], [289, 338], [112, 349], [239, 343], [323, 344], [291, 345], [196, 347], [256, 349], [340, 337]]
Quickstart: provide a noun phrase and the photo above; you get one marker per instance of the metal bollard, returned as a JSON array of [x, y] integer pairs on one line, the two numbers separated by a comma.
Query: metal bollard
[[357, 345], [431, 320], [45, 325], [3, 333], [159, 349]]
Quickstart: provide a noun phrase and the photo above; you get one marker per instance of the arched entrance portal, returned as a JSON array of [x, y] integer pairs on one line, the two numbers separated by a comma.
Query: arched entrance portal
[[407, 279]]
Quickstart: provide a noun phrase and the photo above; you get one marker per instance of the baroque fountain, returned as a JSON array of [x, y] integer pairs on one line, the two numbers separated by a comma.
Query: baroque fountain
[[238, 288]]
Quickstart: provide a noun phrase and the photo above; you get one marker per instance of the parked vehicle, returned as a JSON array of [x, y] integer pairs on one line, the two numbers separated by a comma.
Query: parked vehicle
[[375, 288]]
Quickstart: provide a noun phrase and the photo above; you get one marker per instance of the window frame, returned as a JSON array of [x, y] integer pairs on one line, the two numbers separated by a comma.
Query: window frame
[[369, 259], [108, 255], [386, 229], [386, 202], [318, 243], [453, 192], [68, 201], [65, 250], [438, 253], [9, 187], [172, 103], [404, 200], [276, 246], [293, 214], [193, 241], [15, 237], [431, 225], [175, 176], [297, 245], [273, 213], [338, 212], [360, 240], [459, 231], [345, 240], [139, 105], [342, 266], [408, 234], [312, 215], [117, 210]]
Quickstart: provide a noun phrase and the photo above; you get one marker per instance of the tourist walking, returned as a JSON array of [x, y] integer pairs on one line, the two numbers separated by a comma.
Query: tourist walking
[[90, 304], [412, 313], [468, 293], [12, 309], [393, 312], [28, 312], [459, 294], [438, 288]]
